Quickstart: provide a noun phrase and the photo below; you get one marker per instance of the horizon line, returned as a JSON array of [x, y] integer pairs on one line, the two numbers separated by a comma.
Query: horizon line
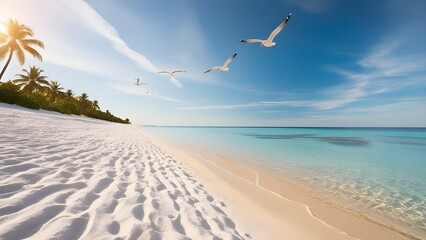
[[229, 126]]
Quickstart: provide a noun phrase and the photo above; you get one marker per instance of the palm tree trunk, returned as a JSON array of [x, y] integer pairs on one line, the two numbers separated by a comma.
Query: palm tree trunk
[[7, 64]]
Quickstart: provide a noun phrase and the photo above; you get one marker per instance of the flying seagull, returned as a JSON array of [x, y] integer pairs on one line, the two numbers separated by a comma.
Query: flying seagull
[[138, 83], [223, 68], [172, 79], [172, 74], [269, 42], [148, 90]]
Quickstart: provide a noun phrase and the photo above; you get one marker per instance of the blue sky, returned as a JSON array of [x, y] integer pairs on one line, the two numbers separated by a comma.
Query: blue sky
[[337, 63]]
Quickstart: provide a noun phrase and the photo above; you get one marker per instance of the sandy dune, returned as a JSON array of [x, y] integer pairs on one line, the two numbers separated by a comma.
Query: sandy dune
[[64, 177]]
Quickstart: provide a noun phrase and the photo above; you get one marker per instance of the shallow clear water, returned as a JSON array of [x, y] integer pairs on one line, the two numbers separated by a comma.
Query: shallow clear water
[[382, 170]]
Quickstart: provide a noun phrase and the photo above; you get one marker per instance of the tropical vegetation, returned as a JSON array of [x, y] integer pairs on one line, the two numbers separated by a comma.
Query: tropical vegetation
[[32, 89], [16, 41]]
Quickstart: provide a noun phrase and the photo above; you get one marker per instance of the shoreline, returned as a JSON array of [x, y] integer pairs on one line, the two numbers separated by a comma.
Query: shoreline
[[86, 179], [331, 212], [281, 217], [148, 177]]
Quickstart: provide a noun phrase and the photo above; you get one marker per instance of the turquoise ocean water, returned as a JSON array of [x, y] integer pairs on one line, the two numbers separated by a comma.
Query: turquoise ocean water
[[378, 170]]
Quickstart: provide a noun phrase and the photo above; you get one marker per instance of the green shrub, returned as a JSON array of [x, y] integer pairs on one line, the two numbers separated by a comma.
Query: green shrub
[[39, 98], [64, 106], [106, 116], [9, 93], [28, 102]]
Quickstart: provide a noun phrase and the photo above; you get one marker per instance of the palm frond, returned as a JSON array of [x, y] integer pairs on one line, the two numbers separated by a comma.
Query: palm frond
[[33, 52], [25, 70], [35, 72], [20, 55], [20, 84], [42, 77], [83, 97], [20, 80], [11, 27], [17, 40], [32, 42], [42, 81], [69, 93], [4, 50], [22, 31], [55, 86]]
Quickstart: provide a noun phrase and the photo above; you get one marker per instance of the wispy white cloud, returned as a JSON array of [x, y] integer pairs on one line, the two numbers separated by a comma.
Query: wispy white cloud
[[78, 38], [349, 92], [384, 63], [176, 82], [381, 71], [142, 92], [101, 26]]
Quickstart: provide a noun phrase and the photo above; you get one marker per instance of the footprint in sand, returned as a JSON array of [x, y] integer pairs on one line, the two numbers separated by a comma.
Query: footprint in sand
[[155, 204], [138, 212], [114, 228], [32, 224]]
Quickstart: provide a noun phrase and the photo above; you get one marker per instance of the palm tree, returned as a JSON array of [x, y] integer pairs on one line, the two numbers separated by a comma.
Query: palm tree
[[69, 94], [83, 97], [95, 105], [55, 90], [84, 100], [32, 80], [16, 41]]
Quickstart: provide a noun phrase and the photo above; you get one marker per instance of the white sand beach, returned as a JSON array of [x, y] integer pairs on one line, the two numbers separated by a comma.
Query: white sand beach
[[65, 177], [69, 177]]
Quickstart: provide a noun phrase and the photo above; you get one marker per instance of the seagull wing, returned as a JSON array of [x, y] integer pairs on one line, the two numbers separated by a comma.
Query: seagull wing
[[164, 72], [150, 90], [211, 69], [278, 29], [252, 40], [229, 60], [177, 72]]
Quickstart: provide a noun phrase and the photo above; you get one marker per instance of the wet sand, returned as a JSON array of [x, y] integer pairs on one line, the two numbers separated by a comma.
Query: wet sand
[[276, 197], [69, 177]]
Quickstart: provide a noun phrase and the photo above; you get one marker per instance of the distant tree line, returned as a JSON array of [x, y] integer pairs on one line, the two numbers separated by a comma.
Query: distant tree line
[[32, 89]]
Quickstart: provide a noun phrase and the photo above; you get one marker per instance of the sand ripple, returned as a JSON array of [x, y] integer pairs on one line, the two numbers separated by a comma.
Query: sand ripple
[[64, 177]]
